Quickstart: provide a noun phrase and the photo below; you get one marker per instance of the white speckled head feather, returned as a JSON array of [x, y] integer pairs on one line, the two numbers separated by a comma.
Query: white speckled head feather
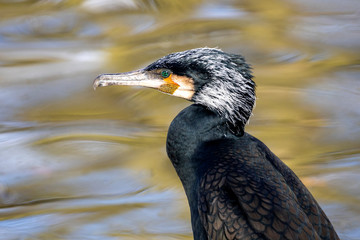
[[223, 82]]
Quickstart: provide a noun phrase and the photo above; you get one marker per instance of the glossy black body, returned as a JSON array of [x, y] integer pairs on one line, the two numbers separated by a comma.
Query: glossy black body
[[236, 187]]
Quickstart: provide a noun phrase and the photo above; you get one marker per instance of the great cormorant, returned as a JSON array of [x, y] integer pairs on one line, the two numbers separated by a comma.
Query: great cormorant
[[236, 187]]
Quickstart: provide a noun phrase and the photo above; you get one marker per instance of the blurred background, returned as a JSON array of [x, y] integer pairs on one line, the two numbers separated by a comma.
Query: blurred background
[[79, 164]]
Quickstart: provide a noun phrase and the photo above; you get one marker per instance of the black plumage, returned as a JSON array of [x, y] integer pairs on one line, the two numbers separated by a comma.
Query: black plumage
[[236, 187]]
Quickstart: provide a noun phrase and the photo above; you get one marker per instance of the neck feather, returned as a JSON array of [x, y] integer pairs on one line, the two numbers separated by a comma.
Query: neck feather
[[233, 101]]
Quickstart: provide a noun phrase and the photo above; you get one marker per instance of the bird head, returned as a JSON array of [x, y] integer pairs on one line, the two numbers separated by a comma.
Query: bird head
[[219, 81]]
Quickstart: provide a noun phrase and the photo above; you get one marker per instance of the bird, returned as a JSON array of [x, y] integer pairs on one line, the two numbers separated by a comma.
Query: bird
[[237, 188]]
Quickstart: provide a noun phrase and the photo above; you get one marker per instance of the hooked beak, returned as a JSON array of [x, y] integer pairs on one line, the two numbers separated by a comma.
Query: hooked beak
[[179, 86], [134, 78]]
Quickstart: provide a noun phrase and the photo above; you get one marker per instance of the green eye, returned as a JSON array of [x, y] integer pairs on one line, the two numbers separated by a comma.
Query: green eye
[[165, 73]]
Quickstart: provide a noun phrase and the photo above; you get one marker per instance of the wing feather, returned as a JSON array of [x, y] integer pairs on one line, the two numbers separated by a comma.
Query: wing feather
[[246, 196]]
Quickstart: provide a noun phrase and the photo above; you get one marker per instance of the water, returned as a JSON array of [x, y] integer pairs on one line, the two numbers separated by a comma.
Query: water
[[79, 164]]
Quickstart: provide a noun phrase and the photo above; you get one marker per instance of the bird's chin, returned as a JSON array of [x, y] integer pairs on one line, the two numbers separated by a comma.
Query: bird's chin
[[184, 93], [186, 87]]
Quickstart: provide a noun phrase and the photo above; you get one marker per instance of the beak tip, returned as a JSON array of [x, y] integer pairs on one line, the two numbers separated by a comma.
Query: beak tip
[[95, 85], [97, 82]]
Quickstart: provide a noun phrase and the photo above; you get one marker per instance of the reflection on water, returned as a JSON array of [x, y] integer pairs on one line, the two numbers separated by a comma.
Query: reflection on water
[[79, 164]]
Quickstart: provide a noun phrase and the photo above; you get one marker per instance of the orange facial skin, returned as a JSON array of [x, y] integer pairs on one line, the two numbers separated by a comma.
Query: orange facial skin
[[170, 86]]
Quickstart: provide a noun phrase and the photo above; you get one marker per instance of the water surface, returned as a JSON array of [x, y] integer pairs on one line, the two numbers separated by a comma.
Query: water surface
[[79, 164]]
